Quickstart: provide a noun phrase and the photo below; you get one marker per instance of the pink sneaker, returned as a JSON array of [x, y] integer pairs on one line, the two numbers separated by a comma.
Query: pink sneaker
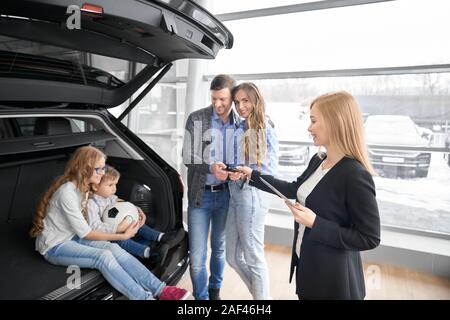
[[173, 293]]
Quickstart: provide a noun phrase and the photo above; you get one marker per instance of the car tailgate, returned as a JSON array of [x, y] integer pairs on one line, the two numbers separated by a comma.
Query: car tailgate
[[150, 32]]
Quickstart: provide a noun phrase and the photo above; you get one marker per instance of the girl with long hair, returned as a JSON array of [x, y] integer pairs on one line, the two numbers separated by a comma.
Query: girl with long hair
[[257, 147], [63, 235], [336, 213]]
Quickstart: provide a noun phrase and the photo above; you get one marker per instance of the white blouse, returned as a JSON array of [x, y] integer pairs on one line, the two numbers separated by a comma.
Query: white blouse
[[302, 193]]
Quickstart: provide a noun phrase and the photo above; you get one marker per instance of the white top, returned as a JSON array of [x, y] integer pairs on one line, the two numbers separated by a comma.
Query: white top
[[302, 193], [95, 207], [64, 218]]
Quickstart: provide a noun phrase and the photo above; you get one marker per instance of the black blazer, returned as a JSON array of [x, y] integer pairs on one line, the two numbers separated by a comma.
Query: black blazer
[[347, 222]]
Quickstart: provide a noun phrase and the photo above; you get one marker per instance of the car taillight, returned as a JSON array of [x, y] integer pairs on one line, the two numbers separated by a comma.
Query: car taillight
[[180, 179], [91, 8]]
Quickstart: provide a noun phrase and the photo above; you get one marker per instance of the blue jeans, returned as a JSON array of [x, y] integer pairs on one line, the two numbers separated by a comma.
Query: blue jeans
[[245, 238], [123, 271], [138, 244], [213, 210]]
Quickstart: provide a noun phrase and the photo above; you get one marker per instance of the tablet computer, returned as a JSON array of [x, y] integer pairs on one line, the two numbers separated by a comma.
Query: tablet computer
[[271, 187]]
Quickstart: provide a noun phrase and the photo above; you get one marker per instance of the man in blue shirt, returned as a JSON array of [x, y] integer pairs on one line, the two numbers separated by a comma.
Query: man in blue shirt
[[208, 135]]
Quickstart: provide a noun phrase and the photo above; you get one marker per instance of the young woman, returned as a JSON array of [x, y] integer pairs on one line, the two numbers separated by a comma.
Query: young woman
[[64, 237], [336, 214], [257, 146]]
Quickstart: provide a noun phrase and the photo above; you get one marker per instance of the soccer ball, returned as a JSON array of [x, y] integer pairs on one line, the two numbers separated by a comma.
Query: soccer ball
[[114, 214]]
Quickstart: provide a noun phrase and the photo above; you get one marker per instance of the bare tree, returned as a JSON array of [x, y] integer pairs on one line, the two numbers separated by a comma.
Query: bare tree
[[431, 82]]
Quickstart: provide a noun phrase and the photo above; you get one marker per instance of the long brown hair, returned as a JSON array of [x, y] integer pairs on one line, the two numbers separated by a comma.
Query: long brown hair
[[344, 124], [256, 122], [78, 170]]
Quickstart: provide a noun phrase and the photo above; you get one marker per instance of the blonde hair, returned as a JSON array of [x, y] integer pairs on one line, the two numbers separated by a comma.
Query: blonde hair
[[344, 124], [79, 169], [256, 121], [110, 174]]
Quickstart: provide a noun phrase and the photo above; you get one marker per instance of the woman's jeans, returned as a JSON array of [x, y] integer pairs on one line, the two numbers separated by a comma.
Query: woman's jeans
[[123, 271], [213, 210], [245, 238], [137, 245]]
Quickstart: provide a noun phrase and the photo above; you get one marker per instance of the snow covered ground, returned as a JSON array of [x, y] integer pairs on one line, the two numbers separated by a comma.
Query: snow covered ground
[[431, 193], [420, 203]]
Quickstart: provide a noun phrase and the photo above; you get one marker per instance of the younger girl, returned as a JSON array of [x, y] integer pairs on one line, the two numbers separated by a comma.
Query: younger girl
[[64, 237]]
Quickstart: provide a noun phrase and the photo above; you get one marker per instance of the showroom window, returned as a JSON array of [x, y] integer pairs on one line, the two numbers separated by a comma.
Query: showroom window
[[158, 118], [407, 129], [305, 54], [397, 68]]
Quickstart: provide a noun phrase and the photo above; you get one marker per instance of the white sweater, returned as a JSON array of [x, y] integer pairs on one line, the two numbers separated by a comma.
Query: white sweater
[[302, 193], [64, 218]]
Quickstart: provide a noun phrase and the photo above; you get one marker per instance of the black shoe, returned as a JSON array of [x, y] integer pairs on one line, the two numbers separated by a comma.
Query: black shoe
[[214, 294], [172, 238], [158, 254]]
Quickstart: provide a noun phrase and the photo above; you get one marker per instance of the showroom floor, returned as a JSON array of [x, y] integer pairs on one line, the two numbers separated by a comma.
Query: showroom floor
[[392, 283]]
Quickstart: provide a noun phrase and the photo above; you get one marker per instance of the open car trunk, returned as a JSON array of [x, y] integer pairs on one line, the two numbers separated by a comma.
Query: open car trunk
[[54, 92], [26, 172]]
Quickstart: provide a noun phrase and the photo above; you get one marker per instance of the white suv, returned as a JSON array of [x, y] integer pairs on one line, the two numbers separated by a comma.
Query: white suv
[[389, 132]]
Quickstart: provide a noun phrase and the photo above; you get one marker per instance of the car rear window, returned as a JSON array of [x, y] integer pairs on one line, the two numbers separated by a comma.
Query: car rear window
[[42, 126], [30, 59]]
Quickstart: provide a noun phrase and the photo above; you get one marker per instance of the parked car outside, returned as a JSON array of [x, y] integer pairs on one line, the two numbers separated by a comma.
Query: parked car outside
[[53, 100], [396, 131], [293, 154], [291, 128]]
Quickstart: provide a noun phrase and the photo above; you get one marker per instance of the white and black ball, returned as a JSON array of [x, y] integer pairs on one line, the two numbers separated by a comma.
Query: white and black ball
[[114, 214]]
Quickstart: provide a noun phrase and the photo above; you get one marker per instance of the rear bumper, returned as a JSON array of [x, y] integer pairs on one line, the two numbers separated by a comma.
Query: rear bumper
[[393, 163], [291, 162], [400, 165], [293, 156], [381, 158]]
